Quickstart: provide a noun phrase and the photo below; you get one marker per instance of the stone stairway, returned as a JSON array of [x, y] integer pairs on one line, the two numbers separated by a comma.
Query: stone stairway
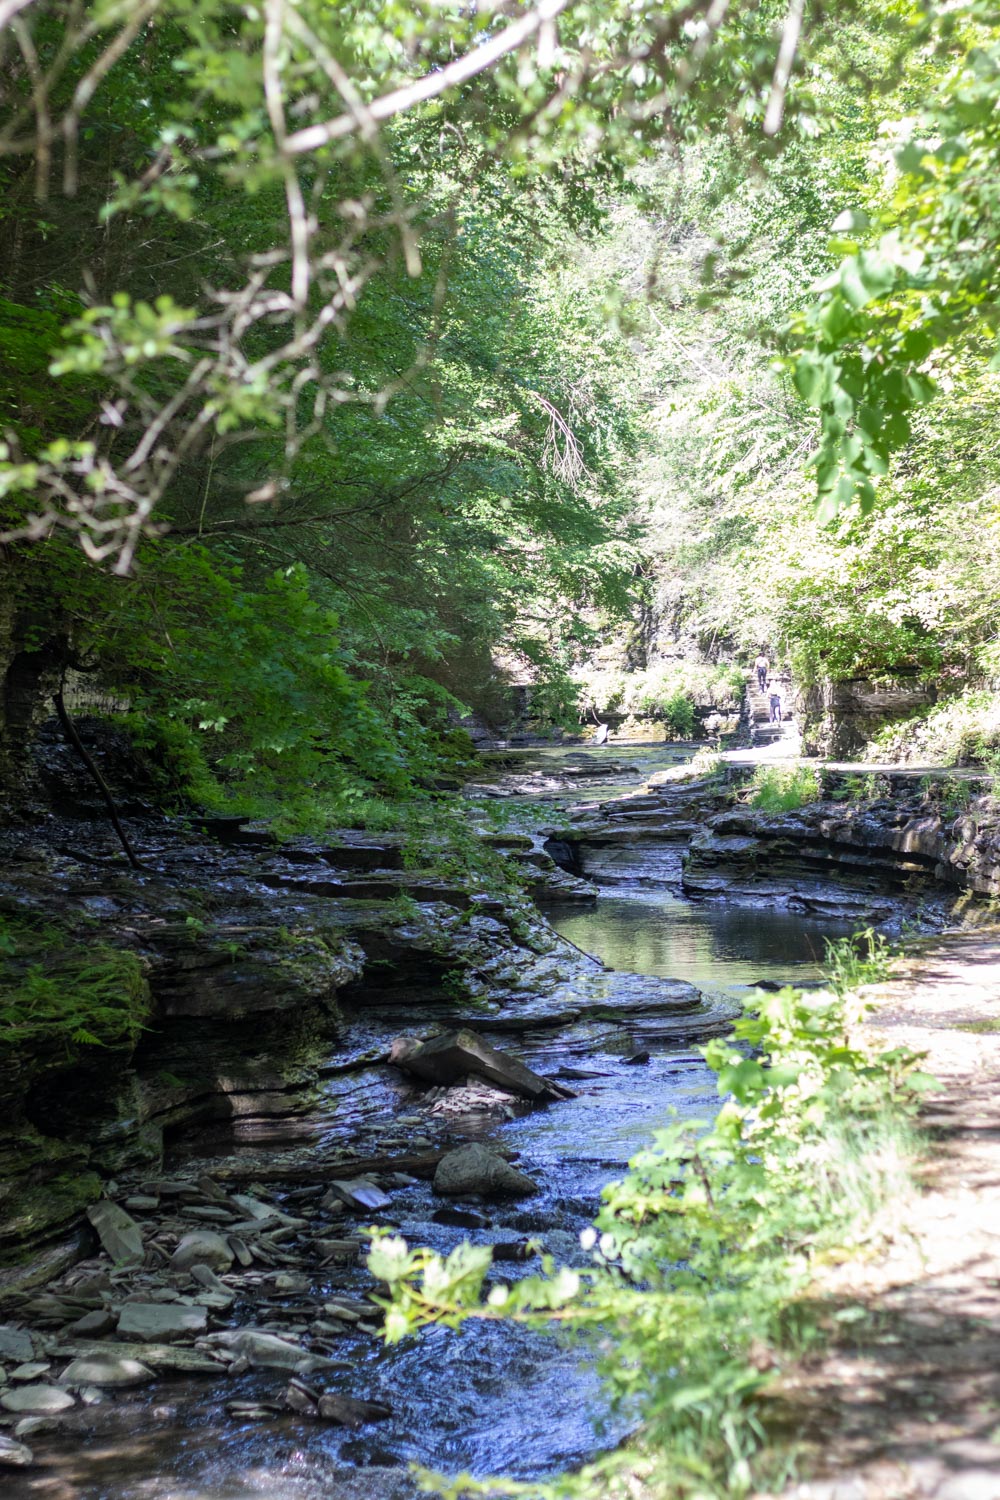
[[757, 710]]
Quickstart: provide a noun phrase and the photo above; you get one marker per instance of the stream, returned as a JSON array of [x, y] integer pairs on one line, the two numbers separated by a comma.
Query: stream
[[490, 1399]]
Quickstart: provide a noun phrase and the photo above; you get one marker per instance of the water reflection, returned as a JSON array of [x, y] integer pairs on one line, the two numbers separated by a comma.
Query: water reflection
[[714, 947]]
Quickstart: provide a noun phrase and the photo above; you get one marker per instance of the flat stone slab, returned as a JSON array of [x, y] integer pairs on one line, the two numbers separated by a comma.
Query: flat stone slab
[[266, 1351], [156, 1322], [16, 1343], [451, 1057], [117, 1231], [158, 1357]]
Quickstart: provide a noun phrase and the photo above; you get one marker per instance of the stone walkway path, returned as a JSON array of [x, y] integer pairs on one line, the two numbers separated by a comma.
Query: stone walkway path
[[907, 1404]]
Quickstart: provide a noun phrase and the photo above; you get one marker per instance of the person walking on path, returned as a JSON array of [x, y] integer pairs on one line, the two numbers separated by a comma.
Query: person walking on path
[[776, 705], [762, 666]]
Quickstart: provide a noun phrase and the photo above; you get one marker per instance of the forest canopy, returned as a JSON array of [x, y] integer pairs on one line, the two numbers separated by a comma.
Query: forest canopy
[[360, 357]]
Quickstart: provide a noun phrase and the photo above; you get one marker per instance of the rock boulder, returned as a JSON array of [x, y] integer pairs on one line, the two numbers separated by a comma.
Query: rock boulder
[[475, 1169]]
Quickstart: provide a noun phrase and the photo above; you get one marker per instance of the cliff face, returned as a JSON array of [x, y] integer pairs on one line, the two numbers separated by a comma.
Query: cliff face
[[837, 719]]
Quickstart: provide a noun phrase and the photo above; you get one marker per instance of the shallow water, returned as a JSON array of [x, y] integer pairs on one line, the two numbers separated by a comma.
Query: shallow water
[[718, 948]]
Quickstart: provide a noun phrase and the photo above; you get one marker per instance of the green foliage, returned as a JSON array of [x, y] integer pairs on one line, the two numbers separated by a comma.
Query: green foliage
[[669, 693], [60, 995], [959, 730], [703, 1254], [782, 788]]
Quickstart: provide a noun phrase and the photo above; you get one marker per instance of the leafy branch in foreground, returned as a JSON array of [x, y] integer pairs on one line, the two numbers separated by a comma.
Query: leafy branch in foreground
[[703, 1253], [913, 299]]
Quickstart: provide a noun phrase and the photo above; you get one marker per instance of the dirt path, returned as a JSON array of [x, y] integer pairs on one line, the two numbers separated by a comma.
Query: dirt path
[[908, 1402]]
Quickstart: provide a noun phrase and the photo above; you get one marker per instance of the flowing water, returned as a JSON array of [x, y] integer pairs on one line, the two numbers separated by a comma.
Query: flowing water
[[491, 1398]]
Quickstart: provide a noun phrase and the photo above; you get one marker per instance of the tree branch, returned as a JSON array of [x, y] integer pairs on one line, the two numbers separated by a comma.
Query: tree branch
[[432, 84]]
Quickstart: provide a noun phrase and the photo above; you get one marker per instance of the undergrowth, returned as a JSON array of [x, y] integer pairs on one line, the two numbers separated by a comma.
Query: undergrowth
[[54, 991], [668, 691], [702, 1256], [959, 731], [782, 788]]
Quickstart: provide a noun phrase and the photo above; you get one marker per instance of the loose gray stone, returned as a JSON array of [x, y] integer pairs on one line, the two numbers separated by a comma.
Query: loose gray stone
[[300, 1401], [476, 1169], [202, 1247], [107, 1372], [93, 1325], [36, 1398], [29, 1426], [15, 1343], [252, 1411], [117, 1231], [358, 1192], [158, 1357], [14, 1455], [31, 1371], [206, 1277], [449, 1058], [347, 1411], [159, 1322]]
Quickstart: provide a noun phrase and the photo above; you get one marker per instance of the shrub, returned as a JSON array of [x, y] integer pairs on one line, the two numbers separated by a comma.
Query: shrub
[[783, 788], [669, 692], [678, 715]]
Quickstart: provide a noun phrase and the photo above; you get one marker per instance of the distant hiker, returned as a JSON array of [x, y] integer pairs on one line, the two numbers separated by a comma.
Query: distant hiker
[[762, 666], [776, 705]]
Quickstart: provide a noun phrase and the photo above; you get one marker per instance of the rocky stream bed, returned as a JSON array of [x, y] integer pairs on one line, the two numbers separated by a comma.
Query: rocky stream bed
[[206, 1328]]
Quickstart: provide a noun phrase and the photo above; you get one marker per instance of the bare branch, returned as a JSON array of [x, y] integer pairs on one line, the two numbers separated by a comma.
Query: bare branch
[[783, 67], [10, 8], [562, 454], [433, 84]]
